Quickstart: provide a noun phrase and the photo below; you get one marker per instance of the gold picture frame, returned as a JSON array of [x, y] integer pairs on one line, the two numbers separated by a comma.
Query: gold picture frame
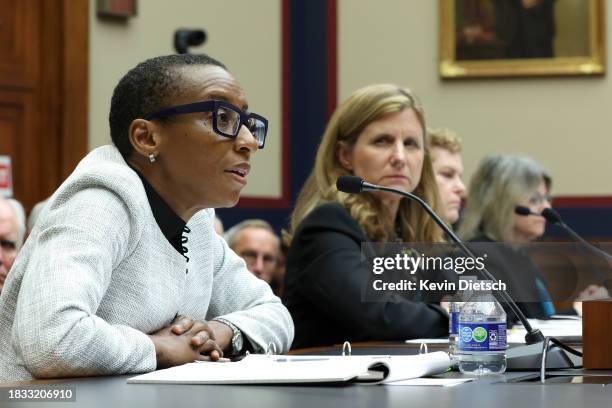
[[483, 52]]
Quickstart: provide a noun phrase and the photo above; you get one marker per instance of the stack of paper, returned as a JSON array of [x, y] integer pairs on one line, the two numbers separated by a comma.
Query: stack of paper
[[563, 329]]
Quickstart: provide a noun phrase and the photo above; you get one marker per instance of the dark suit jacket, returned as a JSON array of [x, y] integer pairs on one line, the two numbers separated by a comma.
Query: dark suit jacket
[[515, 268], [323, 288]]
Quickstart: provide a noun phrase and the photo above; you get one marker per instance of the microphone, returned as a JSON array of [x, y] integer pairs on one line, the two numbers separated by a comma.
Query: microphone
[[355, 185], [552, 216], [520, 210], [350, 184]]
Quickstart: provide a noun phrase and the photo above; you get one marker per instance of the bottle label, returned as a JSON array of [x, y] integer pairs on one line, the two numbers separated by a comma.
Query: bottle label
[[482, 336]]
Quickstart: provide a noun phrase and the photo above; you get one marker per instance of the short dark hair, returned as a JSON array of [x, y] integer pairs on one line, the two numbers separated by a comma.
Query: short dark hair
[[146, 88]]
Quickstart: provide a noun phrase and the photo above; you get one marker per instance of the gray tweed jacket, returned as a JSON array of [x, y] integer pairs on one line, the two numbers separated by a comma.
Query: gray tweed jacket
[[97, 274]]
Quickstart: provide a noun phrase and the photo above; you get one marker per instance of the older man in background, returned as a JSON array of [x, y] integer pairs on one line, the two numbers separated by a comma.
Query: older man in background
[[12, 230], [254, 241]]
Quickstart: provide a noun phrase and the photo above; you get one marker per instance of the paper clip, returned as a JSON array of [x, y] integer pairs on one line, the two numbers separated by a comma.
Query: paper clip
[[346, 349], [423, 348]]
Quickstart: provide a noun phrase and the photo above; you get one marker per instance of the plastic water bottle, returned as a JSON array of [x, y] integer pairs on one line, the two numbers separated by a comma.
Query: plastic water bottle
[[453, 328], [482, 335], [453, 322]]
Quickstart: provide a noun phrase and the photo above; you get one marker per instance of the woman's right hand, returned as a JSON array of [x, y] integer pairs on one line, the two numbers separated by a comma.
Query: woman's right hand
[[184, 341]]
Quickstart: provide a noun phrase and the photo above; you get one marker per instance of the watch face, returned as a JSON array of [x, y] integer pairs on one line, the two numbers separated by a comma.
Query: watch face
[[237, 342], [236, 338]]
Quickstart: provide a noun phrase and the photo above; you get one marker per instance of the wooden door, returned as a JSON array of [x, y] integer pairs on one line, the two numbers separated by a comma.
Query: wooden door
[[44, 57]]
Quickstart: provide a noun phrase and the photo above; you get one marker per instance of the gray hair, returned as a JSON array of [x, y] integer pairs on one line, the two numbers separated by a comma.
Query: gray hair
[[231, 235], [19, 217], [500, 183]]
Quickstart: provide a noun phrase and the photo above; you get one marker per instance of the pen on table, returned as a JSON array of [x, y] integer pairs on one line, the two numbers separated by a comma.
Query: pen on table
[[292, 360]]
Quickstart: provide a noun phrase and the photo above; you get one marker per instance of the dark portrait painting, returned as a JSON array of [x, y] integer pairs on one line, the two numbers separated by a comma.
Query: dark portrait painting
[[551, 31]]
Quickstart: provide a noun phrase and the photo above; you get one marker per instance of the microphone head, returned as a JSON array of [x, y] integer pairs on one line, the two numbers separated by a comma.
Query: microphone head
[[520, 210], [349, 184], [551, 216]]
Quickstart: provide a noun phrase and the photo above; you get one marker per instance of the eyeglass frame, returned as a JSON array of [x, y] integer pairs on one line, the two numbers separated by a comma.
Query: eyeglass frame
[[212, 106], [538, 199]]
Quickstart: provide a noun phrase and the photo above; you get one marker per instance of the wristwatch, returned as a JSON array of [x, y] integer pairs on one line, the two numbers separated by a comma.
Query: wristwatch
[[237, 341]]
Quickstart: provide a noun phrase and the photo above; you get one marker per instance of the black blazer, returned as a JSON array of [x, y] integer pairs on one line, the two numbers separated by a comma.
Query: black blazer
[[323, 288], [517, 270]]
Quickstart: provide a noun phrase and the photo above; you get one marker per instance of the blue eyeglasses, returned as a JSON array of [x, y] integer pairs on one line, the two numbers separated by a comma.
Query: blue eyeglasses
[[227, 118]]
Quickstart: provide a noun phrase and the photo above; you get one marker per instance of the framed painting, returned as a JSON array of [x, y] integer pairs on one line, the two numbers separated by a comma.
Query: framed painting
[[505, 38]]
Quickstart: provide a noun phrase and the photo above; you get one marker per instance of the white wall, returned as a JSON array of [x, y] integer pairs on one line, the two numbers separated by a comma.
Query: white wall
[[244, 34], [564, 123]]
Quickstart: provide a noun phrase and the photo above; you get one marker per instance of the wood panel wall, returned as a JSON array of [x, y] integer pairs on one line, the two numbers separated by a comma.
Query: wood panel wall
[[44, 63]]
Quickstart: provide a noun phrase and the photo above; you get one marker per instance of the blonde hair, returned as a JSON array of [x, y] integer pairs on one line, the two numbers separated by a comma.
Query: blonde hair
[[445, 139], [500, 183], [363, 107]]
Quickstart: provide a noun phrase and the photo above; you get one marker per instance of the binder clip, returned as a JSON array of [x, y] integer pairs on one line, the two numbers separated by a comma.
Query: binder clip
[[271, 349], [346, 349], [423, 348]]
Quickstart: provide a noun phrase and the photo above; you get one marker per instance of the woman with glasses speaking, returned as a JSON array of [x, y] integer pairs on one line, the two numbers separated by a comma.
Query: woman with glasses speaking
[[123, 272]]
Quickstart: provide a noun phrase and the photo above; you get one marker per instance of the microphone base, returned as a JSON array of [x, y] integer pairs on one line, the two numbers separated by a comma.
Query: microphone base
[[535, 336], [529, 358]]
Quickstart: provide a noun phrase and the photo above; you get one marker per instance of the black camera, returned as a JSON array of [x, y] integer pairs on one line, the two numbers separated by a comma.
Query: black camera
[[185, 38]]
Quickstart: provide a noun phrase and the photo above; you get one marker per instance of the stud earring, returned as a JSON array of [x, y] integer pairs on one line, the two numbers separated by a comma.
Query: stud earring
[[152, 158]]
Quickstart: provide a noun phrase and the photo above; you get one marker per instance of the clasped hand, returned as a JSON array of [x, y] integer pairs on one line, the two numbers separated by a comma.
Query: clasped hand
[[186, 340]]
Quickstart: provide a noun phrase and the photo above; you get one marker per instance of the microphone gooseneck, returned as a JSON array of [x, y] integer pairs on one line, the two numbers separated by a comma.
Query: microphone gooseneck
[[357, 185]]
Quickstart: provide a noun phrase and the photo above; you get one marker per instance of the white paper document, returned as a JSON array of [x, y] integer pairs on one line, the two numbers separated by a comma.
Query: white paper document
[[427, 341], [264, 369], [559, 328]]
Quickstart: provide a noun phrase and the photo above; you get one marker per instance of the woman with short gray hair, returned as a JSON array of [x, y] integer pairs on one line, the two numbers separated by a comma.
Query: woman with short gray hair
[[500, 184]]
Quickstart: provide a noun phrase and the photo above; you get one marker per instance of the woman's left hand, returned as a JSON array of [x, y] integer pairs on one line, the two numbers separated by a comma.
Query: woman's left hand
[[219, 332]]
